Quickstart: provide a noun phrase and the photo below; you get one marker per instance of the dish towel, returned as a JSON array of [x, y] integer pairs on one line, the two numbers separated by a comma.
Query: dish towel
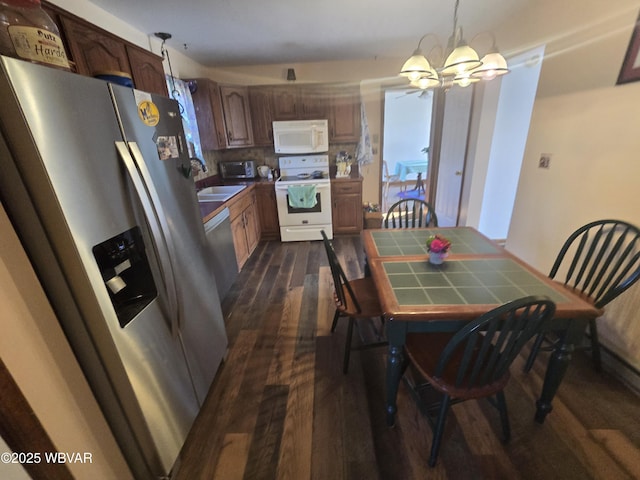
[[302, 196], [364, 150]]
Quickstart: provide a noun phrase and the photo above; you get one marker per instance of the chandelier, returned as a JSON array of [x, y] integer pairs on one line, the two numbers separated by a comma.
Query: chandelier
[[462, 65]]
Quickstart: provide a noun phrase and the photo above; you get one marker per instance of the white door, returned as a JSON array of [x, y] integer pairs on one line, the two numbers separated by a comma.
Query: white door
[[455, 129]]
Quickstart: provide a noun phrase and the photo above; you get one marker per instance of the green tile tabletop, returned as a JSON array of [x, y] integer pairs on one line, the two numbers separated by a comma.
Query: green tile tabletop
[[459, 282], [400, 242], [477, 275]]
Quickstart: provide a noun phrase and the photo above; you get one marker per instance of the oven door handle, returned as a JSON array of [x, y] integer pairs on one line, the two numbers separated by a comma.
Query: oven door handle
[[319, 186]]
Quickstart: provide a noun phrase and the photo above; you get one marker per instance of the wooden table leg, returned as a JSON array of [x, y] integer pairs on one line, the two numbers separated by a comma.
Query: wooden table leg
[[396, 336], [419, 184], [557, 367], [394, 372]]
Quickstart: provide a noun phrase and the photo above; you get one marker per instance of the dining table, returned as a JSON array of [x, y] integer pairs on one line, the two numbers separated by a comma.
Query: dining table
[[406, 167], [477, 276]]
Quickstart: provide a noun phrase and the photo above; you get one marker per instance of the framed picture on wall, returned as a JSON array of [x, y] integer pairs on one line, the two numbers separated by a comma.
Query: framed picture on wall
[[630, 71]]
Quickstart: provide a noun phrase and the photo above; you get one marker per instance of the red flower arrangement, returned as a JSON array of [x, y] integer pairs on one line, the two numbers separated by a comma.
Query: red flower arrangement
[[438, 244]]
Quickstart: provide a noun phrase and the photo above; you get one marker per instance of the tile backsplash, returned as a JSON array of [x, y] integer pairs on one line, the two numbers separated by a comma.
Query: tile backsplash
[[262, 156]]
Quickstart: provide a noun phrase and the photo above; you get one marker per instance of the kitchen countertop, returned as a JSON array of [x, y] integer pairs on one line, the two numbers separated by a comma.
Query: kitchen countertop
[[208, 210]]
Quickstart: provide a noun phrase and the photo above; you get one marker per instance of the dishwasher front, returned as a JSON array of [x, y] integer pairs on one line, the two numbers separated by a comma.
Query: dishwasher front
[[221, 250]]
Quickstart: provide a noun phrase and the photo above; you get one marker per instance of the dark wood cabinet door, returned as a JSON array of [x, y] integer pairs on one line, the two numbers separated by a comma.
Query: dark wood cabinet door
[[313, 103], [285, 103], [267, 210], [346, 212], [344, 115], [260, 103], [147, 70], [93, 49], [208, 107], [252, 225], [237, 116]]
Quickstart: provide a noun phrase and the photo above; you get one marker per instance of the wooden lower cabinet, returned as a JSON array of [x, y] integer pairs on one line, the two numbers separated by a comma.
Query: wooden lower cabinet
[[346, 205], [245, 226], [267, 211]]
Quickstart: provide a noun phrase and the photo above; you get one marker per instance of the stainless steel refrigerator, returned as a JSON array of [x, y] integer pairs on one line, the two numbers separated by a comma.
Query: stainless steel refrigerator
[[95, 178]]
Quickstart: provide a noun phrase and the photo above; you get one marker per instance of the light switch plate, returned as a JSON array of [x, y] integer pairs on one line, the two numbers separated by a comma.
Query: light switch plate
[[545, 160]]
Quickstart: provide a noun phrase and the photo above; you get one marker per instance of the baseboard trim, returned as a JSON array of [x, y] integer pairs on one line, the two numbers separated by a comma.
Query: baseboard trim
[[629, 374]]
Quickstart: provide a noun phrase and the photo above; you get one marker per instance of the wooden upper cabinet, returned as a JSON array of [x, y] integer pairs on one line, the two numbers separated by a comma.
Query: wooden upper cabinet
[[344, 114], [208, 107], [92, 49], [312, 103], [223, 114], [261, 105], [147, 70], [285, 103], [299, 102], [237, 115]]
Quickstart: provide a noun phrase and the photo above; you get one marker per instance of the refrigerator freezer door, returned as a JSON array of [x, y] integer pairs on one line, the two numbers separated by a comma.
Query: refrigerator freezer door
[[62, 131], [152, 126]]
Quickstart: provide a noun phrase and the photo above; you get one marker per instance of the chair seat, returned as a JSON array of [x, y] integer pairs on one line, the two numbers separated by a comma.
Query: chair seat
[[424, 350], [365, 291]]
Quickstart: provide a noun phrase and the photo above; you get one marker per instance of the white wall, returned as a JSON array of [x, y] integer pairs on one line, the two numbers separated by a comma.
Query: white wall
[[513, 113], [594, 173]]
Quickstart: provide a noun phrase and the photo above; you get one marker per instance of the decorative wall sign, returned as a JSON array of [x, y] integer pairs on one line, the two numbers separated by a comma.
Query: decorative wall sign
[[630, 71]]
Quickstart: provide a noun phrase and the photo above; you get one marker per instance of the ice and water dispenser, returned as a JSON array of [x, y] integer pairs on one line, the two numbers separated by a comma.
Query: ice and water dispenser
[[125, 270]]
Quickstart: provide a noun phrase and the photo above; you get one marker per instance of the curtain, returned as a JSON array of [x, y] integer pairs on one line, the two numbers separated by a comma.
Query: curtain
[[364, 152]]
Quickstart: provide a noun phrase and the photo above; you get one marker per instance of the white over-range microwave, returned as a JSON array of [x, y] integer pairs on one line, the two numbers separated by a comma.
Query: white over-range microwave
[[301, 136]]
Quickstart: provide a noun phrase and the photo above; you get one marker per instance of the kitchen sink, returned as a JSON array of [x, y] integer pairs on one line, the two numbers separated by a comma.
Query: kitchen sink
[[219, 193]]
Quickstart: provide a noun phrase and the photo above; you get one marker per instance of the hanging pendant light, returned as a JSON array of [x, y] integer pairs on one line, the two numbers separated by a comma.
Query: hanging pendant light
[[417, 66], [462, 59], [493, 65], [462, 65]]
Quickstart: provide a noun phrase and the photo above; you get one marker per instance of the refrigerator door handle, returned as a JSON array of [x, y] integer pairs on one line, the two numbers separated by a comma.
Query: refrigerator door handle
[[157, 223]]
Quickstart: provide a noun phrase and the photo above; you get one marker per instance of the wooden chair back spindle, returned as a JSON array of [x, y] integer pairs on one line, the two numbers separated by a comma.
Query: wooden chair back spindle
[[411, 213]]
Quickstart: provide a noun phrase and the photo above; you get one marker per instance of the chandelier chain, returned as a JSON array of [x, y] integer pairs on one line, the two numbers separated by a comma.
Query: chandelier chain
[[455, 17]]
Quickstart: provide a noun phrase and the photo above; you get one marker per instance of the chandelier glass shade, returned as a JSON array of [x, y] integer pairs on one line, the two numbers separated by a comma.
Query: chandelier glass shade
[[462, 66]]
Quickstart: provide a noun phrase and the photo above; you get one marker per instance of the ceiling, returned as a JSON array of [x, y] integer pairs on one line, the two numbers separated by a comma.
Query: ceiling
[[220, 33]]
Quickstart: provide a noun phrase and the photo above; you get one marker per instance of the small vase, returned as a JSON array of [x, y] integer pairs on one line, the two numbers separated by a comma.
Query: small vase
[[437, 258]]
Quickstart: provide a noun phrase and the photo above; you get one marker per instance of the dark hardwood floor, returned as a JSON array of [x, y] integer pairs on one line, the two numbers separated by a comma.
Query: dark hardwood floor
[[280, 407]]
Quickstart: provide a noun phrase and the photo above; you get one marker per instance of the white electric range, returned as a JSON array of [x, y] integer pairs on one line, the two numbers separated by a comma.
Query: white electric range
[[302, 218]]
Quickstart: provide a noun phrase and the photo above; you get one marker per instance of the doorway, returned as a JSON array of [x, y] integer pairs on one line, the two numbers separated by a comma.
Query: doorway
[[406, 141]]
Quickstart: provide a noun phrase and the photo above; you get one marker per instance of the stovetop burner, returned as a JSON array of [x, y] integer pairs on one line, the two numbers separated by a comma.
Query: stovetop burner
[[309, 179], [304, 169]]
